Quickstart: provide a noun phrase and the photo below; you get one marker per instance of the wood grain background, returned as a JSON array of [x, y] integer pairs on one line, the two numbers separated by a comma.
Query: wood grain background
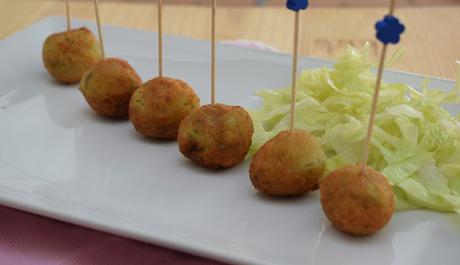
[[432, 40], [331, 3]]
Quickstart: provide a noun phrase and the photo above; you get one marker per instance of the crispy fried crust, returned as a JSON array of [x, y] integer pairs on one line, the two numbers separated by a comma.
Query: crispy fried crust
[[216, 136], [291, 163], [157, 108], [67, 55], [108, 87], [358, 204]]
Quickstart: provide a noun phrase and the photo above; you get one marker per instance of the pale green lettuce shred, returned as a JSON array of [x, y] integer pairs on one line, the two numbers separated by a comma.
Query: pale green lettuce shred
[[416, 143]]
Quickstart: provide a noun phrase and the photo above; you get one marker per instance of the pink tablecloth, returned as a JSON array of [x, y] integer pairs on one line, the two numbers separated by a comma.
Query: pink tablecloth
[[28, 239]]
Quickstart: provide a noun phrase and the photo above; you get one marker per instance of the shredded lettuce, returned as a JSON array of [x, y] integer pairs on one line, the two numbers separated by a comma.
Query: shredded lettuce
[[416, 143]]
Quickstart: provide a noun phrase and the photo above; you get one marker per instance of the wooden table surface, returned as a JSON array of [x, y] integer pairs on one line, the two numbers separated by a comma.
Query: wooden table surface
[[432, 40]]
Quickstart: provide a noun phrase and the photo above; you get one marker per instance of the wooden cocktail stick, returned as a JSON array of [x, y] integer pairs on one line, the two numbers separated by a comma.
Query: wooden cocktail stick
[[296, 6], [213, 53], [294, 71], [160, 38], [376, 93], [99, 28], [374, 107], [392, 7], [67, 11]]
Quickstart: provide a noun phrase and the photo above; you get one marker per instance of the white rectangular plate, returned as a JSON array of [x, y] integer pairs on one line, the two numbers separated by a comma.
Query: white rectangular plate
[[60, 160]]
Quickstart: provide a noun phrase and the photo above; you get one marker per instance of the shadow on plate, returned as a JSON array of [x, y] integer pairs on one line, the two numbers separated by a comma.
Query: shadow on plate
[[149, 140], [89, 113], [283, 200], [224, 172]]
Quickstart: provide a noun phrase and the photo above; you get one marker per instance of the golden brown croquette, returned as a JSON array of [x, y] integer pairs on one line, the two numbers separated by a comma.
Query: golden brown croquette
[[291, 163], [157, 108], [67, 55], [108, 87], [216, 136], [358, 204]]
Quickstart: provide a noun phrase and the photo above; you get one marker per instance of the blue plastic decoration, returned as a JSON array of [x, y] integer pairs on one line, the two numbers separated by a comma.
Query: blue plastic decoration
[[296, 5], [389, 30]]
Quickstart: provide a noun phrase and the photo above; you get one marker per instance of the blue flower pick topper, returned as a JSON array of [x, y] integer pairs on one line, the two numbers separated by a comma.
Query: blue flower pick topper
[[296, 5], [389, 30]]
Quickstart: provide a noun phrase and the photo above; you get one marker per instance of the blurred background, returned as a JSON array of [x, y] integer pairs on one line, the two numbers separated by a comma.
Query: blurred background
[[330, 3], [431, 43]]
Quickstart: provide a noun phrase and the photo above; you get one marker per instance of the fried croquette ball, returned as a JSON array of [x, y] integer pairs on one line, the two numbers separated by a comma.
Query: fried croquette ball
[[216, 136], [289, 164], [157, 108], [356, 203], [108, 87], [67, 55]]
